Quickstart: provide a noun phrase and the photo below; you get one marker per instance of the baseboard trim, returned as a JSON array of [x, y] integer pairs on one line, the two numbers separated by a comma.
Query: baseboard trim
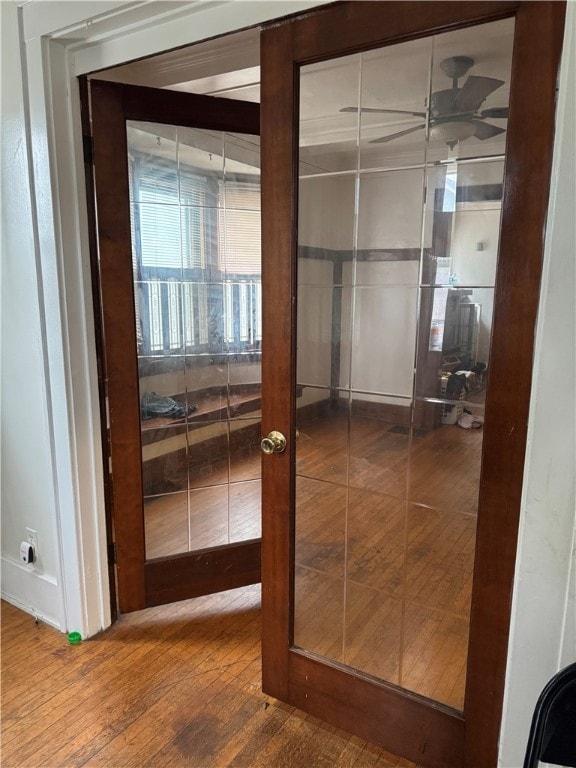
[[32, 592]]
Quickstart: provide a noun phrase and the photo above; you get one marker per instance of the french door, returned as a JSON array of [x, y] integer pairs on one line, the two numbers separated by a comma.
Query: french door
[[406, 154], [177, 193]]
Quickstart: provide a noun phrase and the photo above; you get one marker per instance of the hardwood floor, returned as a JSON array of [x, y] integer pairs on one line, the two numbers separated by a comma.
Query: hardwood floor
[[385, 536], [177, 685], [383, 576]]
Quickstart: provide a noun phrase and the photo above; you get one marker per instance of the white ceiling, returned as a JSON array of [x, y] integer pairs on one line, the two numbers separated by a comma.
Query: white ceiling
[[394, 77], [218, 66]]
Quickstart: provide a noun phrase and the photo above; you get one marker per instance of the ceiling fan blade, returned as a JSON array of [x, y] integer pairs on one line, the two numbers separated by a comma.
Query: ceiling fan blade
[[397, 135], [371, 110], [486, 130], [473, 93], [495, 112]]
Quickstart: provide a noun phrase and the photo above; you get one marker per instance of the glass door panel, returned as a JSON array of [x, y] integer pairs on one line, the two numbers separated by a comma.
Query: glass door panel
[[399, 223], [195, 221]]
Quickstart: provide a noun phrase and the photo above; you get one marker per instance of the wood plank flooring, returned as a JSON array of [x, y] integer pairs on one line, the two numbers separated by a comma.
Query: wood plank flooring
[[384, 561], [176, 685], [385, 537]]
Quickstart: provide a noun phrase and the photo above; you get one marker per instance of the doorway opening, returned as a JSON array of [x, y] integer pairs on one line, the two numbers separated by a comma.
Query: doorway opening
[[387, 478], [193, 309], [378, 322]]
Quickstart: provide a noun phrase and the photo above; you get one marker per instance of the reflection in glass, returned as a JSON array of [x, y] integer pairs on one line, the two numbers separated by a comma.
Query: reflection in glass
[[323, 424], [324, 334], [208, 517], [326, 210], [376, 540], [393, 111], [400, 193], [470, 90], [373, 631], [384, 364], [245, 510], [319, 115], [318, 605], [462, 223], [390, 221], [195, 217], [245, 436], [164, 471], [166, 524], [379, 443]]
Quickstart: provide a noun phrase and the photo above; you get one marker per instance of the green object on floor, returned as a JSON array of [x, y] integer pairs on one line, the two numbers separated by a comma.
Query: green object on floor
[[74, 637]]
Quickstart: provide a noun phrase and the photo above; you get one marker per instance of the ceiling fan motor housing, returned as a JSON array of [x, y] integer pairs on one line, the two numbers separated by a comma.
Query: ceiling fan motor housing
[[456, 66]]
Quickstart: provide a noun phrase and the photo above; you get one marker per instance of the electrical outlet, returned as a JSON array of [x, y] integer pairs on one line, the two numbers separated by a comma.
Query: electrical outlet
[[32, 538]]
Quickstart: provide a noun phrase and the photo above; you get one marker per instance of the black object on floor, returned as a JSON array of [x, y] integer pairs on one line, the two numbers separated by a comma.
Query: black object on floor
[[553, 731]]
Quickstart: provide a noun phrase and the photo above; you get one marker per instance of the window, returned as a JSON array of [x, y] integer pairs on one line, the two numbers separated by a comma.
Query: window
[[196, 258]]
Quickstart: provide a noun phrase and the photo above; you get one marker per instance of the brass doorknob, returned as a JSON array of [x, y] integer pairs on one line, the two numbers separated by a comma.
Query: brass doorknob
[[274, 443]]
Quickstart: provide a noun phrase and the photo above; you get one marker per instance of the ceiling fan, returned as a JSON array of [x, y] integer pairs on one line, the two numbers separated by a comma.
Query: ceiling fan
[[454, 112]]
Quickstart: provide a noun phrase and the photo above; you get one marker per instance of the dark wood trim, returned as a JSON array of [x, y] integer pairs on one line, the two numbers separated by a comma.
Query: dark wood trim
[[187, 109], [149, 365], [98, 330], [279, 193], [321, 409], [181, 577], [368, 254], [339, 29], [537, 46], [113, 216], [393, 412], [479, 193], [364, 409], [376, 711]]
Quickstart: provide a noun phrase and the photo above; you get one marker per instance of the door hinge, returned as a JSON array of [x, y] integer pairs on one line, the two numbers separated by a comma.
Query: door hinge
[[112, 554], [88, 147]]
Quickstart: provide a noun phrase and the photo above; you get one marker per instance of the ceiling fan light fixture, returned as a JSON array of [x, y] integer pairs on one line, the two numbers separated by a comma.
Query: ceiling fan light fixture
[[452, 131]]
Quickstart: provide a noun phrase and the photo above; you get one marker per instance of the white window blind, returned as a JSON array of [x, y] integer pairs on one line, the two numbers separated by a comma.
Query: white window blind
[[186, 221], [160, 234], [239, 244], [171, 215]]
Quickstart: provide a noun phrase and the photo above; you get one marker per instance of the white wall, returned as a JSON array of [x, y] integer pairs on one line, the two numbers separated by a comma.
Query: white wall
[[478, 267], [390, 210], [543, 637], [389, 217], [28, 490], [326, 210]]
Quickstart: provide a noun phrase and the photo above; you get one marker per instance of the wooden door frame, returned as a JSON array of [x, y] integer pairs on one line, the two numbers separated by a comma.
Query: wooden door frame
[[140, 583], [443, 737]]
